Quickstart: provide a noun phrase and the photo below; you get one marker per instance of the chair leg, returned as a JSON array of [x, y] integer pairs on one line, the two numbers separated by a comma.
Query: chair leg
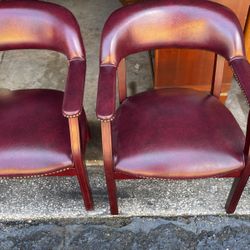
[[108, 166], [112, 194], [236, 192], [84, 186], [78, 162]]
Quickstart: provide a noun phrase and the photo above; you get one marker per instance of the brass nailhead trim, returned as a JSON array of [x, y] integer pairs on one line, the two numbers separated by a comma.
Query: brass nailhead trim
[[239, 83], [106, 120], [37, 175], [73, 116]]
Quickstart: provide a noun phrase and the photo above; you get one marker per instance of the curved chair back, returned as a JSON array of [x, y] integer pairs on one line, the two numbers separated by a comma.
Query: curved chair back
[[39, 25], [167, 23]]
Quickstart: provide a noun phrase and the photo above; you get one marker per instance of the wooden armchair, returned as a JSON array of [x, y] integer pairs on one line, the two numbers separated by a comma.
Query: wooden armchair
[[36, 139], [172, 133]]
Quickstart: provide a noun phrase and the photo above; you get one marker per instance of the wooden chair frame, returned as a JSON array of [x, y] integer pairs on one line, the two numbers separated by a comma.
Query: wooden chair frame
[[49, 27], [113, 60]]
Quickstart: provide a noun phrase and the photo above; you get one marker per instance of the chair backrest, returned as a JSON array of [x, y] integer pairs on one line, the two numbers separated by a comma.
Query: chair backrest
[[39, 25], [170, 23]]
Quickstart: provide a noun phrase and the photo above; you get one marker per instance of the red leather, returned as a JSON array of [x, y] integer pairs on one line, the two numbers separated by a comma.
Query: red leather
[[176, 133], [34, 134], [171, 133], [39, 25], [105, 105], [36, 139], [74, 90], [164, 23], [170, 23], [241, 68]]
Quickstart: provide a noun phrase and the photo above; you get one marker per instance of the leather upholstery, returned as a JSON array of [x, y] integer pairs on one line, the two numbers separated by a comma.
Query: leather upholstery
[[170, 23], [74, 89], [34, 134], [106, 93], [176, 133], [164, 23], [241, 68], [171, 133], [39, 25], [36, 139]]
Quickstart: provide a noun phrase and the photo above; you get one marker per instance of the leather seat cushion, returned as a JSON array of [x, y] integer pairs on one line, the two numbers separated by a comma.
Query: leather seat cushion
[[176, 133], [34, 134]]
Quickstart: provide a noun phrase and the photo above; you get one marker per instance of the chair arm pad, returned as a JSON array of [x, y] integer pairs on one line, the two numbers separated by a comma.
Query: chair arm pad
[[74, 89], [241, 69], [106, 95]]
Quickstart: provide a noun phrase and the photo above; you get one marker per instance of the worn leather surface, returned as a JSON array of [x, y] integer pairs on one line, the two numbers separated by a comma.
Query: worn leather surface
[[74, 89], [39, 25], [42, 25], [164, 23], [170, 23], [34, 134], [176, 133], [105, 104]]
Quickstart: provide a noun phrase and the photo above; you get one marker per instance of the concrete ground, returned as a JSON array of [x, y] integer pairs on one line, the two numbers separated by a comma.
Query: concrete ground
[[201, 233], [36, 212]]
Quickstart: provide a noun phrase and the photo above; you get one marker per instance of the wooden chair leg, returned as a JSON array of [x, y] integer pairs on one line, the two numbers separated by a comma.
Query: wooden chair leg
[[108, 166], [112, 194], [84, 186], [78, 162], [236, 191]]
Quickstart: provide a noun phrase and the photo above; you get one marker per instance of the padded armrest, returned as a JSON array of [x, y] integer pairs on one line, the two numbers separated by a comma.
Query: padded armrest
[[106, 95], [241, 69], [74, 89]]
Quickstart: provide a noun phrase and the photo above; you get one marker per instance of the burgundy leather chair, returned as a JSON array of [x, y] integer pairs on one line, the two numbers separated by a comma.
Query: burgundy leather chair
[[172, 133], [36, 139]]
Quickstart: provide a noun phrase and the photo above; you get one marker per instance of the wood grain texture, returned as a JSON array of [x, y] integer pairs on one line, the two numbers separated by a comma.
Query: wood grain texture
[[178, 67], [108, 166], [247, 35], [217, 75], [121, 76], [81, 171]]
